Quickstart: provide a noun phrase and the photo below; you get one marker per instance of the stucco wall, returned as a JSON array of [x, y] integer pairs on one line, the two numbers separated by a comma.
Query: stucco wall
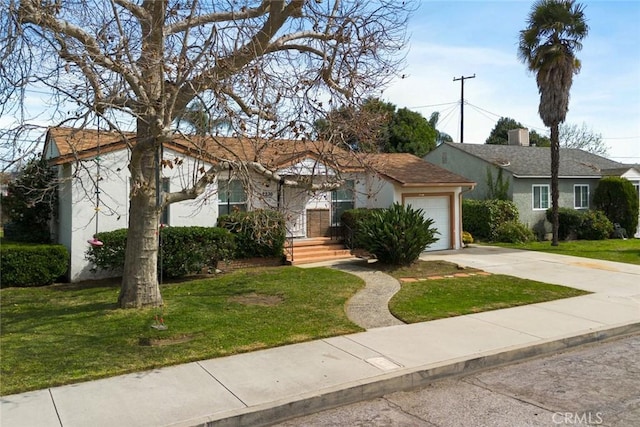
[[468, 166], [536, 219], [78, 217]]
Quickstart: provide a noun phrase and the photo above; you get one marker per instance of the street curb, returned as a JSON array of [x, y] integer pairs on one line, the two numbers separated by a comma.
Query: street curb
[[400, 380]]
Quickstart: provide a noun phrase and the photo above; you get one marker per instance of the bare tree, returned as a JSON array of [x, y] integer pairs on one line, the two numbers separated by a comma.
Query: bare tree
[[268, 68], [583, 138]]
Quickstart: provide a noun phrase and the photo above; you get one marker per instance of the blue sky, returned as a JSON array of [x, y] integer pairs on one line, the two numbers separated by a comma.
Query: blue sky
[[454, 38]]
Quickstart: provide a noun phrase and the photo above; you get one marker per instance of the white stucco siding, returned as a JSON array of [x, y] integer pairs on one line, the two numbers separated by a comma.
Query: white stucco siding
[[78, 217], [373, 192], [112, 212]]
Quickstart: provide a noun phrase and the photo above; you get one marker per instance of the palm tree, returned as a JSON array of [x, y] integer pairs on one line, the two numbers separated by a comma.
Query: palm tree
[[198, 117], [440, 136], [555, 29]]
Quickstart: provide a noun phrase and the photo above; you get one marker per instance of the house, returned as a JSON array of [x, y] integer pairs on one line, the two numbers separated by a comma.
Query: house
[[527, 170], [94, 185]]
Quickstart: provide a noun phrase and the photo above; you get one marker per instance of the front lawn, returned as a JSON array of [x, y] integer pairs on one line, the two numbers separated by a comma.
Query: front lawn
[[425, 300], [627, 251], [63, 334]]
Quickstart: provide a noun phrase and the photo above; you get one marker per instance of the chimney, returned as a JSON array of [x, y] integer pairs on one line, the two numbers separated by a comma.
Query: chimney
[[519, 137]]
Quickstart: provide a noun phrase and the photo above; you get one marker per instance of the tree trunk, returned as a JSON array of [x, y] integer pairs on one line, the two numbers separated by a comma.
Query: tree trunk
[[555, 193], [140, 286]]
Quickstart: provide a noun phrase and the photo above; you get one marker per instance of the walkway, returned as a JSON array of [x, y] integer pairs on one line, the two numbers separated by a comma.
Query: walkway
[[276, 384], [369, 307]]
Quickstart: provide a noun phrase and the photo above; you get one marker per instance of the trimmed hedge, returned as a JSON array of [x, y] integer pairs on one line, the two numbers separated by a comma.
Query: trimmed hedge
[[587, 225], [183, 250], [594, 226], [481, 218], [569, 221], [110, 256], [618, 199], [186, 250], [513, 232], [259, 233], [32, 265]]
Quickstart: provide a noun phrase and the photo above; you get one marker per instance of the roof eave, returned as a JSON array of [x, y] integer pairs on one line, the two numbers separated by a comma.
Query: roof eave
[[560, 177], [437, 184]]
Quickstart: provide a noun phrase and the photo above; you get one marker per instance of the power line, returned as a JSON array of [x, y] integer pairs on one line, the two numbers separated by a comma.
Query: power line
[[434, 105]]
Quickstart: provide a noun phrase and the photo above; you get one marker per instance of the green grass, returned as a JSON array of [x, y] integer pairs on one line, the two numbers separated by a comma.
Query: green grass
[[627, 251], [435, 299], [63, 334]]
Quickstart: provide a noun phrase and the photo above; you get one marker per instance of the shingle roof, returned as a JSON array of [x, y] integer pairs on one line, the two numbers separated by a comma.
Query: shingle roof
[[406, 169], [77, 144], [536, 161], [411, 171]]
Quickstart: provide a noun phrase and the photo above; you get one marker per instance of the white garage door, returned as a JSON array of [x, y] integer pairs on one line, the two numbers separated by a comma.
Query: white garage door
[[436, 208]]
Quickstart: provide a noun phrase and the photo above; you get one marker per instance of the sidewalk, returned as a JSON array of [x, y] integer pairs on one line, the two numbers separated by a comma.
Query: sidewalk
[[271, 385]]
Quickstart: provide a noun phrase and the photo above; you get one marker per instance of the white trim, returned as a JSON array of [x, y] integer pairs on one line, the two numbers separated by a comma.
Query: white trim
[[575, 186], [533, 195]]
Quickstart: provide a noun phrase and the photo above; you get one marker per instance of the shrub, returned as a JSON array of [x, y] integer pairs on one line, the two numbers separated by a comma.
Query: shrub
[[618, 199], [259, 233], [352, 219], [513, 232], [184, 250], [110, 256], [30, 203], [569, 221], [397, 235], [595, 226], [32, 265], [482, 217], [467, 237]]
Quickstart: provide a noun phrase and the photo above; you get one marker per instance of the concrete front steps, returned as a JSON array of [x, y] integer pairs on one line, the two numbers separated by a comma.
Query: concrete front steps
[[306, 251]]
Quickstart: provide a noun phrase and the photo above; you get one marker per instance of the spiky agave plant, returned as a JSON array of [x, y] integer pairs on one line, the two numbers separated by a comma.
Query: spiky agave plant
[[398, 235]]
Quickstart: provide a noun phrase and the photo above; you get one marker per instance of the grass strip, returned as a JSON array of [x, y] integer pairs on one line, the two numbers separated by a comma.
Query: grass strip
[[618, 250], [436, 299]]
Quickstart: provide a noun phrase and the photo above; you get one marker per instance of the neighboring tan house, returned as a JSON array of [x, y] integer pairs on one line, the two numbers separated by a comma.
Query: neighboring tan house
[[92, 163], [527, 169]]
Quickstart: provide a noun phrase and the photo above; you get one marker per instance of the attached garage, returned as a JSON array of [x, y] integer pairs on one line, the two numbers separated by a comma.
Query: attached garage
[[439, 209], [410, 180]]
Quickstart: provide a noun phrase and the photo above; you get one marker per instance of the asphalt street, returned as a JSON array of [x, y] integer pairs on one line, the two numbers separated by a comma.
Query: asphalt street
[[597, 384]]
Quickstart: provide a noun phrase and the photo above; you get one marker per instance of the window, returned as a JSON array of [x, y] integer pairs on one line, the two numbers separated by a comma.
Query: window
[[342, 199], [164, 217], [581, 196], [231, 197], [540, 197]]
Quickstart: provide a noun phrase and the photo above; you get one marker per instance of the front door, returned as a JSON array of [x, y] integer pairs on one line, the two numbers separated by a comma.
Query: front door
[[318, 222]]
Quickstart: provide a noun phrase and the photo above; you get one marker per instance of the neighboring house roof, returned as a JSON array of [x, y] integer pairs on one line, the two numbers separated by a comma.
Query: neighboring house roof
[[411, 171], [403, 168], [527, 161], [621, 170]]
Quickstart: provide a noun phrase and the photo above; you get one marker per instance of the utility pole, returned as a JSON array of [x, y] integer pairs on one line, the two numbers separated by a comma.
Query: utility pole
[[462, 79]]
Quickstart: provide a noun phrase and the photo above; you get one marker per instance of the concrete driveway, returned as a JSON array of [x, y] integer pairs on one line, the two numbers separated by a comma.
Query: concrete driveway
[[610, 278]]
